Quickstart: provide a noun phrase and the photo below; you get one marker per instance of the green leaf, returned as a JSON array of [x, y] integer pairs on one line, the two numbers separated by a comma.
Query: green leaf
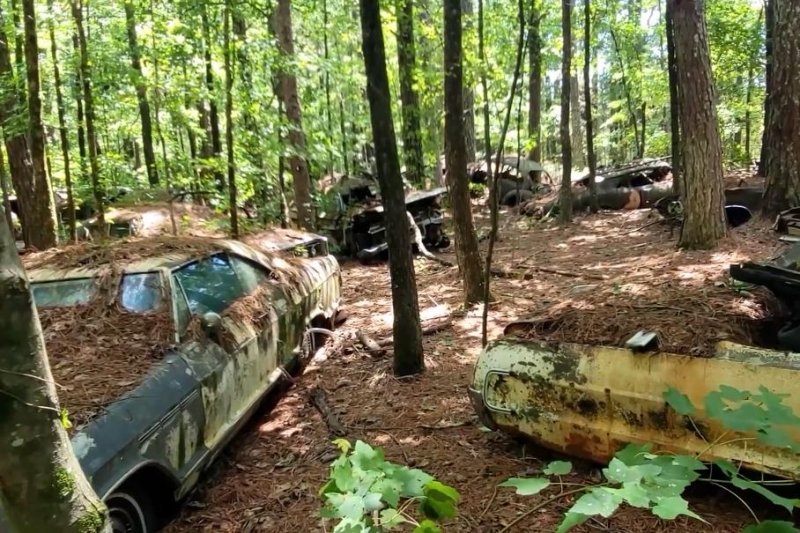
[[672, 508], [342, 474], [733, 394], [597, 501], [772, 526], [412, 480], [427, 526], [440, 501], [347, 505], [328, 487], [746, 484], [689, 462], [65, 421], [391, 518], [527, 486], [619, 472], [633, 494], [558, 468], [679, 402], [342, 444], [445, 490], [372, 502], [571, 520], [349, 525], [634, 454], [390, 490], [366, 457]]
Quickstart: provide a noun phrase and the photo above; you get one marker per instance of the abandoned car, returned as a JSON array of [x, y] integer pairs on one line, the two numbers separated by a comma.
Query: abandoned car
[[163, 349], [352, 216]]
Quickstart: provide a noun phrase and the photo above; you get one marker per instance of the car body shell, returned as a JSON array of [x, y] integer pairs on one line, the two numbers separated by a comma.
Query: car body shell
[[193, 401]]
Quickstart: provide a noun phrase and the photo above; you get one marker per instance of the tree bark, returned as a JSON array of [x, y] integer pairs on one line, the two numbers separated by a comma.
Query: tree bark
[[79, 115], [6, 190], [674, 107], [766, 147], [409, 100], [232, 196], [62, 127], [591, 157], [466, 244], [19, 56], [535, 84], [487, 130], [44, 488], [703, 196], [565, 196], [287, 82], [408, 353], [783, 157], [88, 108], [140, 83], [469, 92], [213, 115], [576, 128]]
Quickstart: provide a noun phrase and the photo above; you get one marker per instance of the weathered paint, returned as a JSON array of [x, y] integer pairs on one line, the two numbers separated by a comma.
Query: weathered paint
[[590, 401]]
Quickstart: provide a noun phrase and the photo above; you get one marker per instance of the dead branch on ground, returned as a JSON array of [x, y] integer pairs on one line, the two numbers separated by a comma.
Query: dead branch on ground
[[319, 400]]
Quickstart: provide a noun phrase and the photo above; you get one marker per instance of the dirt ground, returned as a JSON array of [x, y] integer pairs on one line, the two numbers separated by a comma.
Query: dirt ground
[[269, 478]]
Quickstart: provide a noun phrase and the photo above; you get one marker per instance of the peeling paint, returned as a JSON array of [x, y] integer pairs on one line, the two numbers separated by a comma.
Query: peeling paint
[[82, 443]]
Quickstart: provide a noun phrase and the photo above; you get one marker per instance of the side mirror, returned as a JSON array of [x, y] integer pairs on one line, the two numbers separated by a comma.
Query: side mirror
[[212, 324]]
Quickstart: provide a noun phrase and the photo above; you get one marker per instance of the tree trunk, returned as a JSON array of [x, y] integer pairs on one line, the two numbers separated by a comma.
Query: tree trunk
[[591, 157], [44, 488], [703, 197], [79, 115], [140, 84], [232, 200], [576, 128], [674, 107], [6, 192], [766, 147], [213, 115], [19, 56], [44, 234], [565, 196], [487, 130], [88, 108], [287, 82], [535, 85], [466, 244], [408, 355], [783, 157], [62, 127], [469, 92], [409, 101]]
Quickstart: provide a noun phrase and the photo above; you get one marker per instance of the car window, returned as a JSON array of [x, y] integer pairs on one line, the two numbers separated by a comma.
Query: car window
[[141, 293], [64, 293], [250, 274], [210, 284]]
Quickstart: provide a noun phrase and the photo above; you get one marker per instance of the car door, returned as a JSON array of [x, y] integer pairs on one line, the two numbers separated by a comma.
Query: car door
[[229, 375]]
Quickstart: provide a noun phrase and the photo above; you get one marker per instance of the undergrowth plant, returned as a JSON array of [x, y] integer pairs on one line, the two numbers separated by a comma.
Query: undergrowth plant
[[368, 494], [638, 477]]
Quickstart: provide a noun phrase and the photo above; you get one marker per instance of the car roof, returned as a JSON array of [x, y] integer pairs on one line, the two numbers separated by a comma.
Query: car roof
[[132, 256]]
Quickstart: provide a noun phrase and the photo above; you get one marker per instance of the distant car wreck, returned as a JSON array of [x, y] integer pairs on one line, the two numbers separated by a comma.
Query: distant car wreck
[[352, 216]]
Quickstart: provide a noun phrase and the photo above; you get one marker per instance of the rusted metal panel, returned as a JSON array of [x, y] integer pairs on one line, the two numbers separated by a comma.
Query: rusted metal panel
[[590, 401]]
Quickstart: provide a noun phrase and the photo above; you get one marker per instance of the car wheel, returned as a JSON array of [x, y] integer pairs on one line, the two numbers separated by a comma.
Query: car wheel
[[131, 511]]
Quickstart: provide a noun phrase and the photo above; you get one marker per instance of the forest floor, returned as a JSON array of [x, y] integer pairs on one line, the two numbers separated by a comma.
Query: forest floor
[[268, 480]]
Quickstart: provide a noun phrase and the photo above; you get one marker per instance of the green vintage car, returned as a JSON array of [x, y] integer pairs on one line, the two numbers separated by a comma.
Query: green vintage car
[[163, 348]]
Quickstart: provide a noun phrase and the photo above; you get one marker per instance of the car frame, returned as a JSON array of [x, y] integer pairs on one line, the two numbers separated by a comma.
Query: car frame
[[148, 448]]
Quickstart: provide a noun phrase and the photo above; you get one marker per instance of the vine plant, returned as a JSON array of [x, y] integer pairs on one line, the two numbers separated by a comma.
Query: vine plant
[[639, 477]]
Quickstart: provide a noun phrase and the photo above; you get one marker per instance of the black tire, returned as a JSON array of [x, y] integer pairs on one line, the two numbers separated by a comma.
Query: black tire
[[131, 510]]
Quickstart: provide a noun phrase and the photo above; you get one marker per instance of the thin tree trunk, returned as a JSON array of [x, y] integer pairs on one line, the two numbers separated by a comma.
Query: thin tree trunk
[[232, 200], [565, 196], [409, 101], [213, 115], [783, 163], [88, 108], [6, 192], [576, 128], [79, 114], [408, 355], [535, 85], [140, 83], [674, 107], [766, 148], [44, 233], [466, 243], [591, 157], [298, 166], [469, 91], [43, 488], [345, 144], [328, 105], [487, 131], [62, 127], [19, 56], [628, 97], [703, 197]]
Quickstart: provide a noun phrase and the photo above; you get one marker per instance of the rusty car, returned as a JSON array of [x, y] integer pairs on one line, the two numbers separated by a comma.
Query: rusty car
[[163, 348]]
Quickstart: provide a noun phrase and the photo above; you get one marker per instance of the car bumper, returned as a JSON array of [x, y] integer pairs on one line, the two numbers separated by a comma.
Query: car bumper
[[476, 398]]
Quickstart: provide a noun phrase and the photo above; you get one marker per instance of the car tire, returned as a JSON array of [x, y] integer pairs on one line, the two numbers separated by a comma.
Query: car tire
[[131, 510]]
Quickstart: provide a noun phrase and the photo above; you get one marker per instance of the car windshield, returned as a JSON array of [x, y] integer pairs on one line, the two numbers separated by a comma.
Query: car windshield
[[138, 293]]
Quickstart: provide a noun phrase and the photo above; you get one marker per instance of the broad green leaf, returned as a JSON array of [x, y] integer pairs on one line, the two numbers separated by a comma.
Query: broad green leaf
[[372, 502], [771, 526], [349, 525], [597, 501], [343, 476], [746, 484], [427, 526], [527, 486], [558, 468], [329, 487], [633, 494], [733, 394], [726, 466], [445, 490], [342, 444], [412, 480], [347, 505], [366, 457], [634, 454], [440, 501], [571, 520], [390, 518], [672, 508], [679, 401], [619, 472], [689, 462], [390, 490]]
